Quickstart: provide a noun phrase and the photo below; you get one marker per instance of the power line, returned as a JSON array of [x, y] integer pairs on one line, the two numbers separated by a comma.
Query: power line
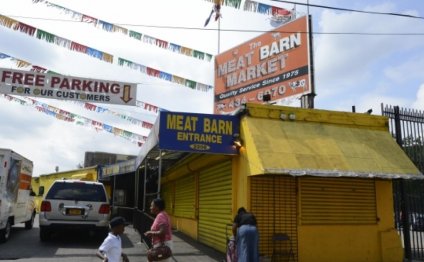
[[349, 10], [229, 30]]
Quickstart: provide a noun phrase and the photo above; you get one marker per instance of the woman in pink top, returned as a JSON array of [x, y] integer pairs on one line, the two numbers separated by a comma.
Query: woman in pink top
[[161, 229]]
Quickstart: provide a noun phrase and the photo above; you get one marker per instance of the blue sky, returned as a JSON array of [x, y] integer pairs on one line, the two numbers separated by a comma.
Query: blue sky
[[350, 68], [365, 70]]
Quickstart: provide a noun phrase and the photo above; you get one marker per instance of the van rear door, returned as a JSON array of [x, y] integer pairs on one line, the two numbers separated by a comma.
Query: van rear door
[[3, 214]]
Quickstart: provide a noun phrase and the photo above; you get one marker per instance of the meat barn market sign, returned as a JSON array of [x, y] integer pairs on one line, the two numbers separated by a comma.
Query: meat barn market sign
[[277, 63], [24, 83]]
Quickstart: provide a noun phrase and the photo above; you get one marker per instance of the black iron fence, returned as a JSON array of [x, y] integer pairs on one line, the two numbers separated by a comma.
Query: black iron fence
[[142, 223], [407, 127]]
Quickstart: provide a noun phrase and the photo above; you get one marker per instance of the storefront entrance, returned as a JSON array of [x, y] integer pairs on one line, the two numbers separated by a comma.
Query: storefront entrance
[[273, 201]]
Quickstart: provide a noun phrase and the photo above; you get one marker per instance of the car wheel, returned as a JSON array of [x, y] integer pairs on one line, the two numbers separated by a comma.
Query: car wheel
[[44, 234], [30, 223], [5, 233]]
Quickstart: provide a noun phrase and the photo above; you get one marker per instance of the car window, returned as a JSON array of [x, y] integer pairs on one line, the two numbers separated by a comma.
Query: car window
[[77, 191]]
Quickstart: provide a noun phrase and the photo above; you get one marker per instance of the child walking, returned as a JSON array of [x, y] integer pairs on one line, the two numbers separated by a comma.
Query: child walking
[[111, 248]]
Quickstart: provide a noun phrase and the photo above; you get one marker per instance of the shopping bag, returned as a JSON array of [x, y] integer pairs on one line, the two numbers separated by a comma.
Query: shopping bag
[[159, 253]]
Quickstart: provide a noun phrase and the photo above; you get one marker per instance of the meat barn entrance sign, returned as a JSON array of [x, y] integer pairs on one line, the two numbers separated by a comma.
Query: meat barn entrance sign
[[24, 83]]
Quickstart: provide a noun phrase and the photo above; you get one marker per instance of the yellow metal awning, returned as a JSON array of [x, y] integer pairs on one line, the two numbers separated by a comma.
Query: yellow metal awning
[[83, 176], [319, 148]]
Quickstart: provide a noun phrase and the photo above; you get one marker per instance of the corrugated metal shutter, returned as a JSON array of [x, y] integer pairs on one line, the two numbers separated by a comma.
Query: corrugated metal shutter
[[273, 202], [337, 201], [167, 195], [215, 205], [185, 197]]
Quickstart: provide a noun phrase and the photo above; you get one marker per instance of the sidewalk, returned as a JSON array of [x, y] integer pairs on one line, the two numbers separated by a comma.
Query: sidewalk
[[71, 248], [185, 249]]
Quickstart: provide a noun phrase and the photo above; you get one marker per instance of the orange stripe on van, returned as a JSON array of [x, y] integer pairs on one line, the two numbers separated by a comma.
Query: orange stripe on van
[[24, 181]]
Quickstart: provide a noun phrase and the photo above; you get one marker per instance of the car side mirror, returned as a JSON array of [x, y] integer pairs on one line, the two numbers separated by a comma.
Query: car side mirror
[[32, 193]]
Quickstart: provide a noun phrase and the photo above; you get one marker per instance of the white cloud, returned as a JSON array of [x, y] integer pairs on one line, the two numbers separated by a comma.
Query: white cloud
[[419, 101], [353, 64], [406, 70], [49, 142]]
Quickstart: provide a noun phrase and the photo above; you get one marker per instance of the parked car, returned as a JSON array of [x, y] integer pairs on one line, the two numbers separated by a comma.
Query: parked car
[[74, 204]]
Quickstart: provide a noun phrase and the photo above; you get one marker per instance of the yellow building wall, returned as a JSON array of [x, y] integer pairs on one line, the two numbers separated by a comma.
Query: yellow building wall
[[185, 225], [367, 242], [354, 243], [35, 185], [390, 245], [339, 243], [379, 242], [240, 183], [351, 243]]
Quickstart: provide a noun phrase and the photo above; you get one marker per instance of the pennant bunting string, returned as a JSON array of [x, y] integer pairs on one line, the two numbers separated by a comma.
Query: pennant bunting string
[[252, 6], [109, 27], [74, 46], [99, 109], [77, 119], [231, 3]]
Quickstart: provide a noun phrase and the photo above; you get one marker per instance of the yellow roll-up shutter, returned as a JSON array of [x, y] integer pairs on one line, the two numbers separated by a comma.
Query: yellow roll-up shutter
[[337, 201], [215, 205], [185, 197]]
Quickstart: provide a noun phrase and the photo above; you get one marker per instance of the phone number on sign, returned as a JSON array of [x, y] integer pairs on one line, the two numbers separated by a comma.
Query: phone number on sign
[[237, 102]]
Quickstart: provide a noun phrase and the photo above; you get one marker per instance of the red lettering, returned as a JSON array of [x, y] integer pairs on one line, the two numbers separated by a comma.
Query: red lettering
[[76, 84], [55, 80], [86, 85], [6, 74], [115, 88], [22, 78], [64, 84], [29, 80], [103, 87], [17, 78], [39, 80]]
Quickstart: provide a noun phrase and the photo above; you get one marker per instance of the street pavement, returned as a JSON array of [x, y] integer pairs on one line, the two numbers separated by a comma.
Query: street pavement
[[25, 245]]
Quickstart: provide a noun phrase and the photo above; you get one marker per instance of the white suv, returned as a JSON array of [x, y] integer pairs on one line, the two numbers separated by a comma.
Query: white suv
[[71, 204]]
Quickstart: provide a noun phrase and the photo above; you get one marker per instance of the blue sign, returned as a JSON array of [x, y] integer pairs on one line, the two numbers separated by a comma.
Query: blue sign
[[200, 133]]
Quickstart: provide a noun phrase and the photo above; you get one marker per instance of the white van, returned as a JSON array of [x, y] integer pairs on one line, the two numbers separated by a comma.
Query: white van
[[16, 197]]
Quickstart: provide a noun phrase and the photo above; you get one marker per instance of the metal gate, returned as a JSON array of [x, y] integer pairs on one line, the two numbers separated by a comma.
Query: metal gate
[[274, 203], [185, 197], [407, 126], [215, 205]]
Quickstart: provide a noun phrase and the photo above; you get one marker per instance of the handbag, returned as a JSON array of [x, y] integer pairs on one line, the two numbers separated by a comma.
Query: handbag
[[159, 253]]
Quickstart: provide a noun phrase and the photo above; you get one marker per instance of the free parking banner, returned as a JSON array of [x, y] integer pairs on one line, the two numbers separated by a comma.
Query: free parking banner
[[28, 83]]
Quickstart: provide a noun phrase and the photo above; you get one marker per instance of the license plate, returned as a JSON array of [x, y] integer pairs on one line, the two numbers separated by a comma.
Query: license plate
[[75, 212]]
